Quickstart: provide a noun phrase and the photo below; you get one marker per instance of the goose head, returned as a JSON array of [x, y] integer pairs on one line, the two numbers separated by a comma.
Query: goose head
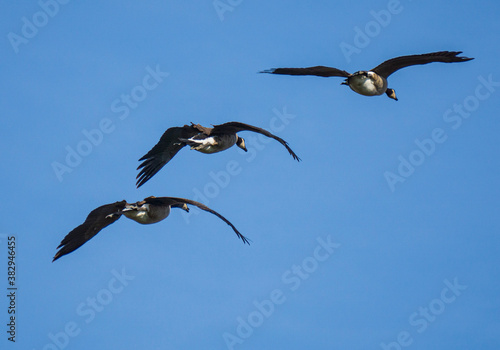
[[391, 93], [240, 142]]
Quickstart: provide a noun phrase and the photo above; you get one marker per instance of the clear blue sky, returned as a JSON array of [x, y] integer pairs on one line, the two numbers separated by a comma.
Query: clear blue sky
[[386, 235]]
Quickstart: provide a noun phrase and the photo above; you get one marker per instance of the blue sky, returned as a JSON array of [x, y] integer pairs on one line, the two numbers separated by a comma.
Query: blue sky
[[385, 236]]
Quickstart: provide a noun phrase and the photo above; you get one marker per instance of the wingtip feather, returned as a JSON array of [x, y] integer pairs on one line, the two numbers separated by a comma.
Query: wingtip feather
[[270, 71]]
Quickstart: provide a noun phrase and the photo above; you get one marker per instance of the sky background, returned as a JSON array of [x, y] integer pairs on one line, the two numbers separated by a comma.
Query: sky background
[[383, 280]]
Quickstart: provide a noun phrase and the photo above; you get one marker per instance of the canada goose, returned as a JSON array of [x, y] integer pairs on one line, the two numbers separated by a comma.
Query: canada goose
[[149, 211], [374, 82], [201, 139]]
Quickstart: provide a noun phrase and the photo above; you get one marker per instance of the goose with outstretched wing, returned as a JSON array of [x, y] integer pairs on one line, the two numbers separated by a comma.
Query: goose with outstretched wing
[[201, 139], [148, 211], [374, 82]]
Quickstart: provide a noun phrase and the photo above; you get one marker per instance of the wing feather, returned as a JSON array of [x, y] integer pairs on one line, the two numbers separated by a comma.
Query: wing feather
[[175, 200], [95, 222], [166, 148], [234, 127], [320, 71], [390, 66]]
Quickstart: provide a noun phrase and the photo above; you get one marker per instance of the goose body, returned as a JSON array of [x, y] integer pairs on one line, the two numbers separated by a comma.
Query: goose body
[[367, 83], [374, 81], [148, 211], [199, 138], [211, 144]]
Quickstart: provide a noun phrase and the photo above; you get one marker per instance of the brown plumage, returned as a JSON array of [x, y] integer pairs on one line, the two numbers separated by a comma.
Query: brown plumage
[[374, 82], [202, 139], [148, 211]]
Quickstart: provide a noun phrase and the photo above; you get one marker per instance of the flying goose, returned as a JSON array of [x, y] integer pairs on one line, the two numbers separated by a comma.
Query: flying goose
[[199, 138], [148, 211], [374, 82]]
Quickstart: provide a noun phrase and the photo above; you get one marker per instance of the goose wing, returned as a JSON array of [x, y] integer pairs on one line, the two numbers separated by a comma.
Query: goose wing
[[390, 66], [174, 201], [95, 222], [234, 127], [321, 71], [163, 152]]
